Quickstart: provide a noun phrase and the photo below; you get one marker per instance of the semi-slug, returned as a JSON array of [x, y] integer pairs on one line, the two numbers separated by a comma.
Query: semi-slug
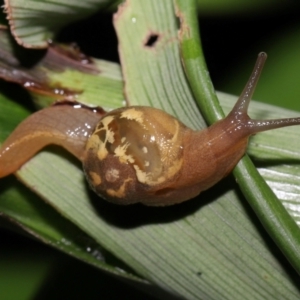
[[141, 154]]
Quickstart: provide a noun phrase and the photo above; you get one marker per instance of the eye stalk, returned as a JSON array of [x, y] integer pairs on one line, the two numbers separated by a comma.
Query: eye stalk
[[141, 154]]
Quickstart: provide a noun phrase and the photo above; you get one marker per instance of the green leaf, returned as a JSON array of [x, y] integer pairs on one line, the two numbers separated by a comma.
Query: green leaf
[[270, 211], [34, 22], [61, 73], [45, 224], [162, 82]]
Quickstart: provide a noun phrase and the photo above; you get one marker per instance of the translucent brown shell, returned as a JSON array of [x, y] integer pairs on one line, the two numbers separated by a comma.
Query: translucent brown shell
[[134, 153]]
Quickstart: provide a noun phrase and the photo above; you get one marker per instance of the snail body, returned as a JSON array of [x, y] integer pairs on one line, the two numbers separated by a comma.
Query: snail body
[[153, 167], [141, 154]]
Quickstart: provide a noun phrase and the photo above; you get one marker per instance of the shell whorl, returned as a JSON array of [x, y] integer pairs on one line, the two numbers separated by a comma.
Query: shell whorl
[[133, 150]]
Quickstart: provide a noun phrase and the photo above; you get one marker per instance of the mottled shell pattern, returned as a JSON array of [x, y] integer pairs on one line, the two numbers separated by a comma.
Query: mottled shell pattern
[[134, 152]]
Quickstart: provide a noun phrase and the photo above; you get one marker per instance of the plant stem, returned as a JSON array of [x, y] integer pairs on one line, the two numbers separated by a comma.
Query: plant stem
[[270, 211]]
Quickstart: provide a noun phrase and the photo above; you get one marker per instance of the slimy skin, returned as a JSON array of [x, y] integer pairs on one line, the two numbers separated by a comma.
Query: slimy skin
[[138, 153]]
